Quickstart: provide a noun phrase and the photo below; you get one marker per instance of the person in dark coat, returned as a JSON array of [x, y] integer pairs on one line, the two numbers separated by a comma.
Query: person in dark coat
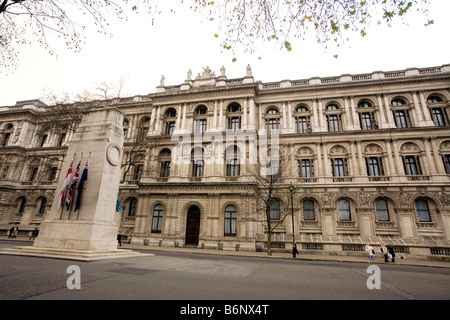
[[119, 239], [11, 232], [294, 250], [391, 251]]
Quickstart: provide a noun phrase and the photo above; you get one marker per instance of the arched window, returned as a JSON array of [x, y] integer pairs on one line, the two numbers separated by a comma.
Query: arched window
[[366, 115], [169, 120], [423, 211], [125, 125], [382, 210], [7, 134], [230, 220], [333, 115], [344, 210], [302, 119], [22, 202], [158, 213], [144, 127], [164, 160], [438, 110], [272, 120], [132, 207], [234, 117], [200, 119], [308, 210], [401, 113], [42, 206]]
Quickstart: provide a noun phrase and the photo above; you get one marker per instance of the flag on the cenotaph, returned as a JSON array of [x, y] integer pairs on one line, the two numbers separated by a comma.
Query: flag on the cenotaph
[[84, 176], [64, 187], [72, 186]]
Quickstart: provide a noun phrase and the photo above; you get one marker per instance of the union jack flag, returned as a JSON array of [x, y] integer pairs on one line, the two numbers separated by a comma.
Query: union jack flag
[[72, 186]]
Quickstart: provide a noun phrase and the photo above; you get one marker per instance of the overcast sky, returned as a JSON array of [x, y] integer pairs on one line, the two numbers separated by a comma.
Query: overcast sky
[[141, 53]]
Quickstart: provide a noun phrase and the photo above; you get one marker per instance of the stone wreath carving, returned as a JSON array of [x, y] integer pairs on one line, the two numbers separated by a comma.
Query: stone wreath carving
[[114, 154]]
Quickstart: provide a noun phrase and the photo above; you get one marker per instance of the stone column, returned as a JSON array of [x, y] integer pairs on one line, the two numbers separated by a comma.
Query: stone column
[[92, 228]]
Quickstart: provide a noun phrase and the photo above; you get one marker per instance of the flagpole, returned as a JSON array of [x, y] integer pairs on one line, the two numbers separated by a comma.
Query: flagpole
[[80, 188], [62, 195], [72, 187]]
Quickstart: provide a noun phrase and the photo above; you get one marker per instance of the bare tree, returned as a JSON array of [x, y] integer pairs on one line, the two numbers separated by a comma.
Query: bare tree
[[241, 21], [266, 175]]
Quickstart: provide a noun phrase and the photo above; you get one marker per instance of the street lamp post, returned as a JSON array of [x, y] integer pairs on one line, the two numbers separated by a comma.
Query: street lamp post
[[294, 248]]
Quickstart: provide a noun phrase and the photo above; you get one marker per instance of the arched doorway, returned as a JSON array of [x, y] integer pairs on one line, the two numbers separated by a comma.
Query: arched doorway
[[192, 226]]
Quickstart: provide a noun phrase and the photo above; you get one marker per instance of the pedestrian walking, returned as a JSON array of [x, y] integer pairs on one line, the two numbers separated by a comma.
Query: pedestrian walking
[[392, 253], [119, 239], [294, 250], [371, 252], [385, 252], [34, 233], [11, 232], [15, 232]]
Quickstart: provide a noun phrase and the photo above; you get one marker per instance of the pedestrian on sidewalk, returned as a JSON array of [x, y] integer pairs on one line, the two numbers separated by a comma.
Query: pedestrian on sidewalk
[[385, 252], [294, 250], [392, 253], [34, 233], [11, 232], [119, 239], [16, 232], [371, 252]]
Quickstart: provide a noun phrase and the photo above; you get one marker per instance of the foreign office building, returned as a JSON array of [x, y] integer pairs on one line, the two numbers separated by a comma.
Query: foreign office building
[[368, 156]]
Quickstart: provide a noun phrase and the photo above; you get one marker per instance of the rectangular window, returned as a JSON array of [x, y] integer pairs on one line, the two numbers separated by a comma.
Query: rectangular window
[[200, 126], [401, 118], [438, 116], [334, 122], [272, 124], [234, 123], [170, 127], [274, 210], [197, 168], [6, 139], [412, 165], [446, 159], [302, 124], [158, 213], [230, 220], [366, 120], [382, 210], [165, 169], [374, 166], [33, 174], [308, 210], [339, 167], [305, 168], [233, 167], [44, 140], [138, 172], [423, 211]]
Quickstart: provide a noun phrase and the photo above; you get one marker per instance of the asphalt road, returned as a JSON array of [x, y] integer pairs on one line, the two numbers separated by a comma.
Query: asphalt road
[[195, 277]]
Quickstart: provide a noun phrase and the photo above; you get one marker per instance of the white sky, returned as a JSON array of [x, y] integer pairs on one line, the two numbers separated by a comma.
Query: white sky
[[141, 53]]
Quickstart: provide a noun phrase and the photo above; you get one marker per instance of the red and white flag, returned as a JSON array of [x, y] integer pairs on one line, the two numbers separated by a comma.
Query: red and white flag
[[64, 187]]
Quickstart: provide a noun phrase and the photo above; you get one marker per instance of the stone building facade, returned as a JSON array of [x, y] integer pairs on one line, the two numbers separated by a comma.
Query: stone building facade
[[368, 156]]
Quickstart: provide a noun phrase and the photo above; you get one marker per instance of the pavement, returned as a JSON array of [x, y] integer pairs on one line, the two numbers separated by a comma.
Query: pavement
[[400, 260]]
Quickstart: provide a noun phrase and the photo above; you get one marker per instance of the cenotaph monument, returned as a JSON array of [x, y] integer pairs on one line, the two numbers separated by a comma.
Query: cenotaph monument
[[85, 230]]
